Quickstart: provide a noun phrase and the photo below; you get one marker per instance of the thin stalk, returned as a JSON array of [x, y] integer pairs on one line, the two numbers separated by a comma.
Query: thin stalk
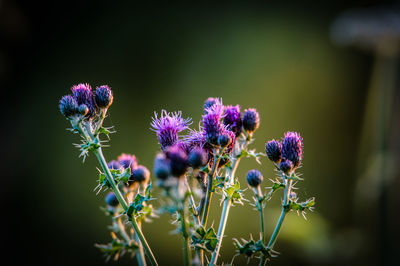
[[260, 210], [187, 257], [207, 201], [140, 257], [278, 226], [227, 201], [192, 203], [224, 214], [99, 155]]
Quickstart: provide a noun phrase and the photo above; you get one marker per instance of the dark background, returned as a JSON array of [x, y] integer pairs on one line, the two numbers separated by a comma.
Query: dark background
[[274, 56]]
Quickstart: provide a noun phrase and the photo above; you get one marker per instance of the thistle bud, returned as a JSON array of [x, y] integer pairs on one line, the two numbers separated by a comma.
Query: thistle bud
[[178, 161], [68, 106], [197, 158], [250, 120], [209, 103], [273, 149], [83, 109], [111, 200], [224, 140], [141, 175], [286, 166], [233, 119], [292, 148], [161, 167], [103, 96], [254, 178], [83, 95]]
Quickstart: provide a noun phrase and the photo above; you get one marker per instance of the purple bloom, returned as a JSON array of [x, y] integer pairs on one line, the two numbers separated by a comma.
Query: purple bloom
[[233, 119], [68, 106], [212, 126], [141, 175], [83, 109], [103, 96], [292, 148], [167, 127], [83, 95], [225, 139], [251, 120], [128, 160], [210, 102], [114, 165], [178, 160], [273, 149], [286, 166], [254, 178]]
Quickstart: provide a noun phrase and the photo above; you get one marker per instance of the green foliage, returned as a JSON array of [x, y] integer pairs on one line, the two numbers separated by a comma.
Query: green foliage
[[138, 208], [206, 240], [117, 247]]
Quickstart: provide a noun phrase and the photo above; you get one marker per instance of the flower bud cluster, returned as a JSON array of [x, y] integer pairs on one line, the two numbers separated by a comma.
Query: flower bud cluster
[[288, 154], [83, 103]]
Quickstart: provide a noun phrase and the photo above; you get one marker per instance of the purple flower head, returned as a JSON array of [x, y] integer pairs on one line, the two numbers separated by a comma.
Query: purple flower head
[[273, 149], [103, 96], [111, 200], [210, 102], [167, 127], [128, 160], [162, 168], [178, 160], [198, 157], [286, 166], [141, 175], [251, 120], [114, 165], [212, 126], [233, 119], [254, 178], [292, 148], [83, 95], [68, 106]]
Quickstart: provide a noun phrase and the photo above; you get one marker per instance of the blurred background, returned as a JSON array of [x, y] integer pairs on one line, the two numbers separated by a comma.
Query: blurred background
[[325, 69]]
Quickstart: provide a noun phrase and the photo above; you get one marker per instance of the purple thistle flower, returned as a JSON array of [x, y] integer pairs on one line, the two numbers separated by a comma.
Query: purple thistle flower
[[83, 95], [141, 175], [273, 149], [128, 160], [286, 166], [292, 148], [233, 119], [254, 178], [210, 102], [68, 106], [167, 127], [103, 96], [178, 160], [251, 120], [212, 126], [114, 165]]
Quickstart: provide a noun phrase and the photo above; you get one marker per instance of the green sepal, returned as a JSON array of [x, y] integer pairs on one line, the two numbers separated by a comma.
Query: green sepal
[[234, 193]]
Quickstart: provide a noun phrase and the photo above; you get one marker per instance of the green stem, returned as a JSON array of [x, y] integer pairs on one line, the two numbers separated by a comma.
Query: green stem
[[207, 201], [227, 201], [224, 214], [99, 154], [263, 258], [185, 237], [140, 257], [192, 203], [285, 210]]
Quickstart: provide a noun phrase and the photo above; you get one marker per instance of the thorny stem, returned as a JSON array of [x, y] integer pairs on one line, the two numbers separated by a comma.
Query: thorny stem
[[140, 257], [227, 201], [192, 203], [100, 157], [285, 209], [260, 210], [99, 154]]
